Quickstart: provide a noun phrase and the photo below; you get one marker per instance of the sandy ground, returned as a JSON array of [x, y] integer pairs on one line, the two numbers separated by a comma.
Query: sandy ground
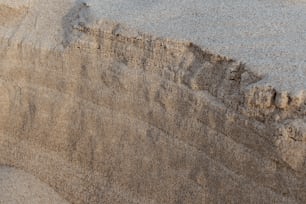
[[268, 35], [18, 187], [15, 3]]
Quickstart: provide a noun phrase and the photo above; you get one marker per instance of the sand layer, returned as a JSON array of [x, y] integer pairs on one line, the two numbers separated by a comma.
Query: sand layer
[[110, 112], [267, 35]]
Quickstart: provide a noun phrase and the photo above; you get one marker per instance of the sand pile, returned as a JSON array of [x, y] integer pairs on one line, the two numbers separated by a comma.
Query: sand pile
[[155, 101]]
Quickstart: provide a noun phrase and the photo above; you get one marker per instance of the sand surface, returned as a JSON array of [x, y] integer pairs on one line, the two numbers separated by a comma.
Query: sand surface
[[107, 114], [16, 3], [18, 187], [267, 35]]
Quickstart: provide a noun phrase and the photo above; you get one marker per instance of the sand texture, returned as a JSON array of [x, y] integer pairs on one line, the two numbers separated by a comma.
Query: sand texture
[[173, 102], [18, 187]]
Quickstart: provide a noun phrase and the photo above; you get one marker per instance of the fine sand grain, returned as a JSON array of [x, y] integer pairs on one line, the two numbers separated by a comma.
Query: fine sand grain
[[132, 101], [18, 187], [267, 35]]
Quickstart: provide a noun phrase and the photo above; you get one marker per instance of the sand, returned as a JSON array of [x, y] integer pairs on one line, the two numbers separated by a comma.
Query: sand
[[153, 101], [19, 187], [267, 35]]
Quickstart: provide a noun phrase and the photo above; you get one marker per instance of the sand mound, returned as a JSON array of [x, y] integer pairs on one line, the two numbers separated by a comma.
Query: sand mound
[[104, 102]]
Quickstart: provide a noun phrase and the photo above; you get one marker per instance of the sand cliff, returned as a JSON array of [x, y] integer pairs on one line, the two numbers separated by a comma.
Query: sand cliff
[[104, 113]]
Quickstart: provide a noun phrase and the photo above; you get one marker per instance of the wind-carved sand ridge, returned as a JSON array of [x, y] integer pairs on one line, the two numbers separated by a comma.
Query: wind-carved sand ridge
[[103, 113]]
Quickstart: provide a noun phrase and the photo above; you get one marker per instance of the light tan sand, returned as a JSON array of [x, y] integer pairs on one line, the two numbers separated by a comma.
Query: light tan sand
[[102, 100], [268, 35], [18, 187]]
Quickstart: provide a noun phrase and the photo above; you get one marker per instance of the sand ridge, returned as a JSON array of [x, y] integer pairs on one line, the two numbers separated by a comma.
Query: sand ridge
[[131, 101], [268, 36]]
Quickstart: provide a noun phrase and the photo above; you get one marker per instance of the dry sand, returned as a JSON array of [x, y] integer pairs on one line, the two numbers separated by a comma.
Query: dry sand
[[19, 187], [106, 114], [267, 35]]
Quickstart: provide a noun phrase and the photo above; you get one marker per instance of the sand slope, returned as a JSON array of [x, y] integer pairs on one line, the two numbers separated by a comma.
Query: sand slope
[[104, 102], [267, 35]]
